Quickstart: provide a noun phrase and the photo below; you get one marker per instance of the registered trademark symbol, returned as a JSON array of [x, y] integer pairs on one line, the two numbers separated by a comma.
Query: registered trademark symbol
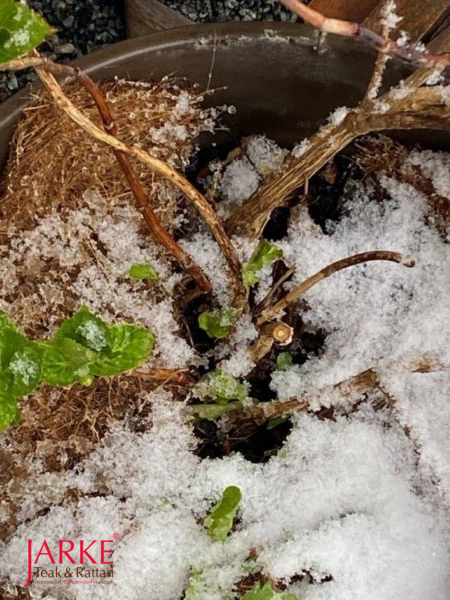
[[116, 536]]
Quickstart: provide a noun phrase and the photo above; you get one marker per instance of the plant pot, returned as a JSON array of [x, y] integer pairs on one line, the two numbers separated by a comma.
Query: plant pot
[[277, 77]]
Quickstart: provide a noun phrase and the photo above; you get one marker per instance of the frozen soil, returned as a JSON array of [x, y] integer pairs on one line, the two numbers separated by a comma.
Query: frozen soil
[[351, 499]]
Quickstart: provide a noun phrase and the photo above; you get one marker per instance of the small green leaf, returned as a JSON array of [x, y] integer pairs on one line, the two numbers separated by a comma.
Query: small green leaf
[[284, 361], [264, 255], [129, 347], [218, 323], [85, 346], [272, 423], [196, 586], [9, 411], [266, 592], [220, 387], [21, 30], [220, 521], [142, 271]]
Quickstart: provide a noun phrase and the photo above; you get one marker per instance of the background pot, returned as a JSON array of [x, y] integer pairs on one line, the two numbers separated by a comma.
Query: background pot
[[281, 79]]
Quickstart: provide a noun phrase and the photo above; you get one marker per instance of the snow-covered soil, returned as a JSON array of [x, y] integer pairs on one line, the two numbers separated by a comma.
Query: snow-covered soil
[[351, 508]]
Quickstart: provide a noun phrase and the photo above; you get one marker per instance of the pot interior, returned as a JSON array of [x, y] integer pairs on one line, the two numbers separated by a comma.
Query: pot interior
[[284, 79]]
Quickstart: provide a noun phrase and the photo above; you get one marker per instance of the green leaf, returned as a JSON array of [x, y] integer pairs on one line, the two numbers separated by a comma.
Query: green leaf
[[284, 361], [218, 323], [85, 329], [11, 340], [266, 592], [66, 362], [220, 387], [142, 271], [9, 411], [21, 30], [85, 346], [220, 521], [264, 255], [129, 347]]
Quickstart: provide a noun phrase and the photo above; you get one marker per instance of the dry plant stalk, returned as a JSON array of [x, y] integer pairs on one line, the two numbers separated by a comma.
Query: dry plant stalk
[[351, 389], [270, 334], [351, 261], [423, 108], [44, 69]]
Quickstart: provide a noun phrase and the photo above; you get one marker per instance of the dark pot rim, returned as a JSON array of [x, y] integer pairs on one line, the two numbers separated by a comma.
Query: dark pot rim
[[104, 60]]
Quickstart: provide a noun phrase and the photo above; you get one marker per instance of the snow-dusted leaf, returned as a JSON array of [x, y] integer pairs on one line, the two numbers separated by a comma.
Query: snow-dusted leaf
[[20, 359], [220, 521], [142, 271], [85, 329], [25, 367], [85, 346], [218, 323], [220, 387], [21, 30], [264, 255]]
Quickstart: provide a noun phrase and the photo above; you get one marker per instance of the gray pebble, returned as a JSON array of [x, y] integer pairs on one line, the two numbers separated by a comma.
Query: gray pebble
[[65, 49]]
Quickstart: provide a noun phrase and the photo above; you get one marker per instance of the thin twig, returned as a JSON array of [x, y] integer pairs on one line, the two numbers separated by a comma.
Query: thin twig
[[179, 377], [381, 62], [412, 54], [271, 312], [43, 67], [268, 297]]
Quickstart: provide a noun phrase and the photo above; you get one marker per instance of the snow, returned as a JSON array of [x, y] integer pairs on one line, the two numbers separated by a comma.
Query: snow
[[338, 115], [69, 242], [23, 366], [93, 335], [359, 522], [389, 17], [240, 180], [301, 148]]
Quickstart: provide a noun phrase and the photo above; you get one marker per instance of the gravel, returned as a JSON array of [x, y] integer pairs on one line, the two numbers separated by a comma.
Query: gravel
[[231, 10], [82, 26]]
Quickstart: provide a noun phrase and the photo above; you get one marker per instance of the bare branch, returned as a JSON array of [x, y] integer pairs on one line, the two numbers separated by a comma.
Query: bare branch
[[351, 390], [351, 261], [422, 108], [412, 54]]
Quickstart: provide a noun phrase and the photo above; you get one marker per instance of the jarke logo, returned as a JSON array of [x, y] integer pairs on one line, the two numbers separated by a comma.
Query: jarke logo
[[68, 552]]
